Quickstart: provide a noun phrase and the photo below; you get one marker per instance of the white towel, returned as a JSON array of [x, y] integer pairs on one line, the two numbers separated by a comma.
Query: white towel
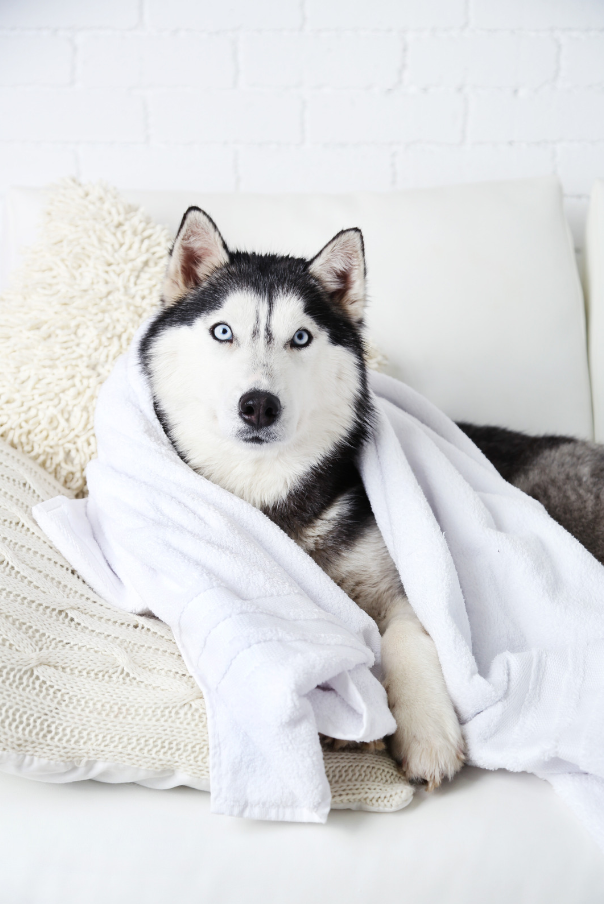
[[279, 651], [514, 604]]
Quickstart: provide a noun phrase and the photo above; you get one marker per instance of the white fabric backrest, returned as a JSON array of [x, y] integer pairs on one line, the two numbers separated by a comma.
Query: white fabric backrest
[[594, 286], [474, 291]]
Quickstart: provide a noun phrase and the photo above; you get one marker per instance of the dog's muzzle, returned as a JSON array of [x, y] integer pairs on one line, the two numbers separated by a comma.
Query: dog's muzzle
[[259, 409]]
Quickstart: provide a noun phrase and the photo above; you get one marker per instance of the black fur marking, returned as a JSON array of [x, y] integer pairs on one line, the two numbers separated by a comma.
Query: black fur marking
[[322, 486], [327, 481], [256, 329], [266, 275], [268, 333], [359, 516], [509, 451]]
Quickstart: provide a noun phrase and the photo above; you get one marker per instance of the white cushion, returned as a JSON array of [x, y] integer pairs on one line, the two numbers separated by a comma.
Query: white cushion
[[475, 296], [488, 838], [594, 285]]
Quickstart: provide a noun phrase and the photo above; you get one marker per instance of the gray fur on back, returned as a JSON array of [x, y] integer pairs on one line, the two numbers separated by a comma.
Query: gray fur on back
[[565, 475], [569, 482]]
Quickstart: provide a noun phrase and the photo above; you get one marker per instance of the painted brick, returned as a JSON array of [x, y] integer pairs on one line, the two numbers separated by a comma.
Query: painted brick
[[315, 169], [35, 164], [583, 61], [156, 60], [383, 118], [537, 14], [272, 60], [579, 165], [208, 15], [381, 87], [174, 168], [483, 60], [68, 114], [31, 59], [69, 13], [108, 61], [418, 166], [210, 116], [385, 14], [321, 60], [546, 116]]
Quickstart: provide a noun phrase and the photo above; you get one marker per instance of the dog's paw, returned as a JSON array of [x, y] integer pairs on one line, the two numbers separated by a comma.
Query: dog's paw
[[328, 743], [428, 745]]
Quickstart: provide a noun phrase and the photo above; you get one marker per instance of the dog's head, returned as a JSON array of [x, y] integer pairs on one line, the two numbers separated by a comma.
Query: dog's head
[[256, 361]]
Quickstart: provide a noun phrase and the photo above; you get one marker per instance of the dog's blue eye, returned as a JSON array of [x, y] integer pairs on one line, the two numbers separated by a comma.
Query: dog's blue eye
[[222, 332], [301, 338]]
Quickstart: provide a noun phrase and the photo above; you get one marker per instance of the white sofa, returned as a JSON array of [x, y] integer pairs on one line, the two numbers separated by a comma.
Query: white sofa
[[476, 301]]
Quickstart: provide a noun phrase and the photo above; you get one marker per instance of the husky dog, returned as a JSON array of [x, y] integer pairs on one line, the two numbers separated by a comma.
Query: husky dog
[[257, 367]]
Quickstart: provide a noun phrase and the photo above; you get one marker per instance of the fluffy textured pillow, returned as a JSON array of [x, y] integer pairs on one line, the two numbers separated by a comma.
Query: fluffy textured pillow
[[72, 308], [89, 691]]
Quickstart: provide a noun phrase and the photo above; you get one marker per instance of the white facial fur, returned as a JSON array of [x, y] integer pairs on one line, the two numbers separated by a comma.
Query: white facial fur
[[198, 382]]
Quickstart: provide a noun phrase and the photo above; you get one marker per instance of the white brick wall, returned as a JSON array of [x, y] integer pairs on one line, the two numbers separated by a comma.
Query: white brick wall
[[302, 95]]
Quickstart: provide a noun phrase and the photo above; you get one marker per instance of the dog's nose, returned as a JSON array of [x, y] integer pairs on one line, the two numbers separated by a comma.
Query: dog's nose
[[259, 409]]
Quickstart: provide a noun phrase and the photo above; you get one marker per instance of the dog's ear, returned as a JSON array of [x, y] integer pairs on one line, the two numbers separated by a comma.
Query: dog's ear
[[198, 251], [340, 268]]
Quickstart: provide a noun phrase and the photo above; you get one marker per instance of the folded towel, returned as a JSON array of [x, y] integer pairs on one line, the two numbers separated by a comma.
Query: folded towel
[[514, 604], [279, 651]]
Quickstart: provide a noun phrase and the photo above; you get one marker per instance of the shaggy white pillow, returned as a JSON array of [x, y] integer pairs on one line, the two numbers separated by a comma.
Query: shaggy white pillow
[[72, 308], [89, 691]]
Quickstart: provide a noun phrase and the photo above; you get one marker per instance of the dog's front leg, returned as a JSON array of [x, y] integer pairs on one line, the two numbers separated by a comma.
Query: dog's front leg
[[427, 744]]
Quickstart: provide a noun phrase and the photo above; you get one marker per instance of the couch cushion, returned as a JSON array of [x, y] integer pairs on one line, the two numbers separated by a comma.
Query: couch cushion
[[487, 838], [594, 279], [475, 296]]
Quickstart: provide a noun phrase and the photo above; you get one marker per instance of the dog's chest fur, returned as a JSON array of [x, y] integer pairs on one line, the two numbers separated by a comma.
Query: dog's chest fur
[[330, 517]]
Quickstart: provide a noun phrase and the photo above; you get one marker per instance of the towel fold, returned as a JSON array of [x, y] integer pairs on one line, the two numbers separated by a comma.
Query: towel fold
[[514, 604]]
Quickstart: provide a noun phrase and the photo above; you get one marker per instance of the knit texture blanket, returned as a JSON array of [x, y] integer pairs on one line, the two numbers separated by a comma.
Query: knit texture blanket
[[514, 604]]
